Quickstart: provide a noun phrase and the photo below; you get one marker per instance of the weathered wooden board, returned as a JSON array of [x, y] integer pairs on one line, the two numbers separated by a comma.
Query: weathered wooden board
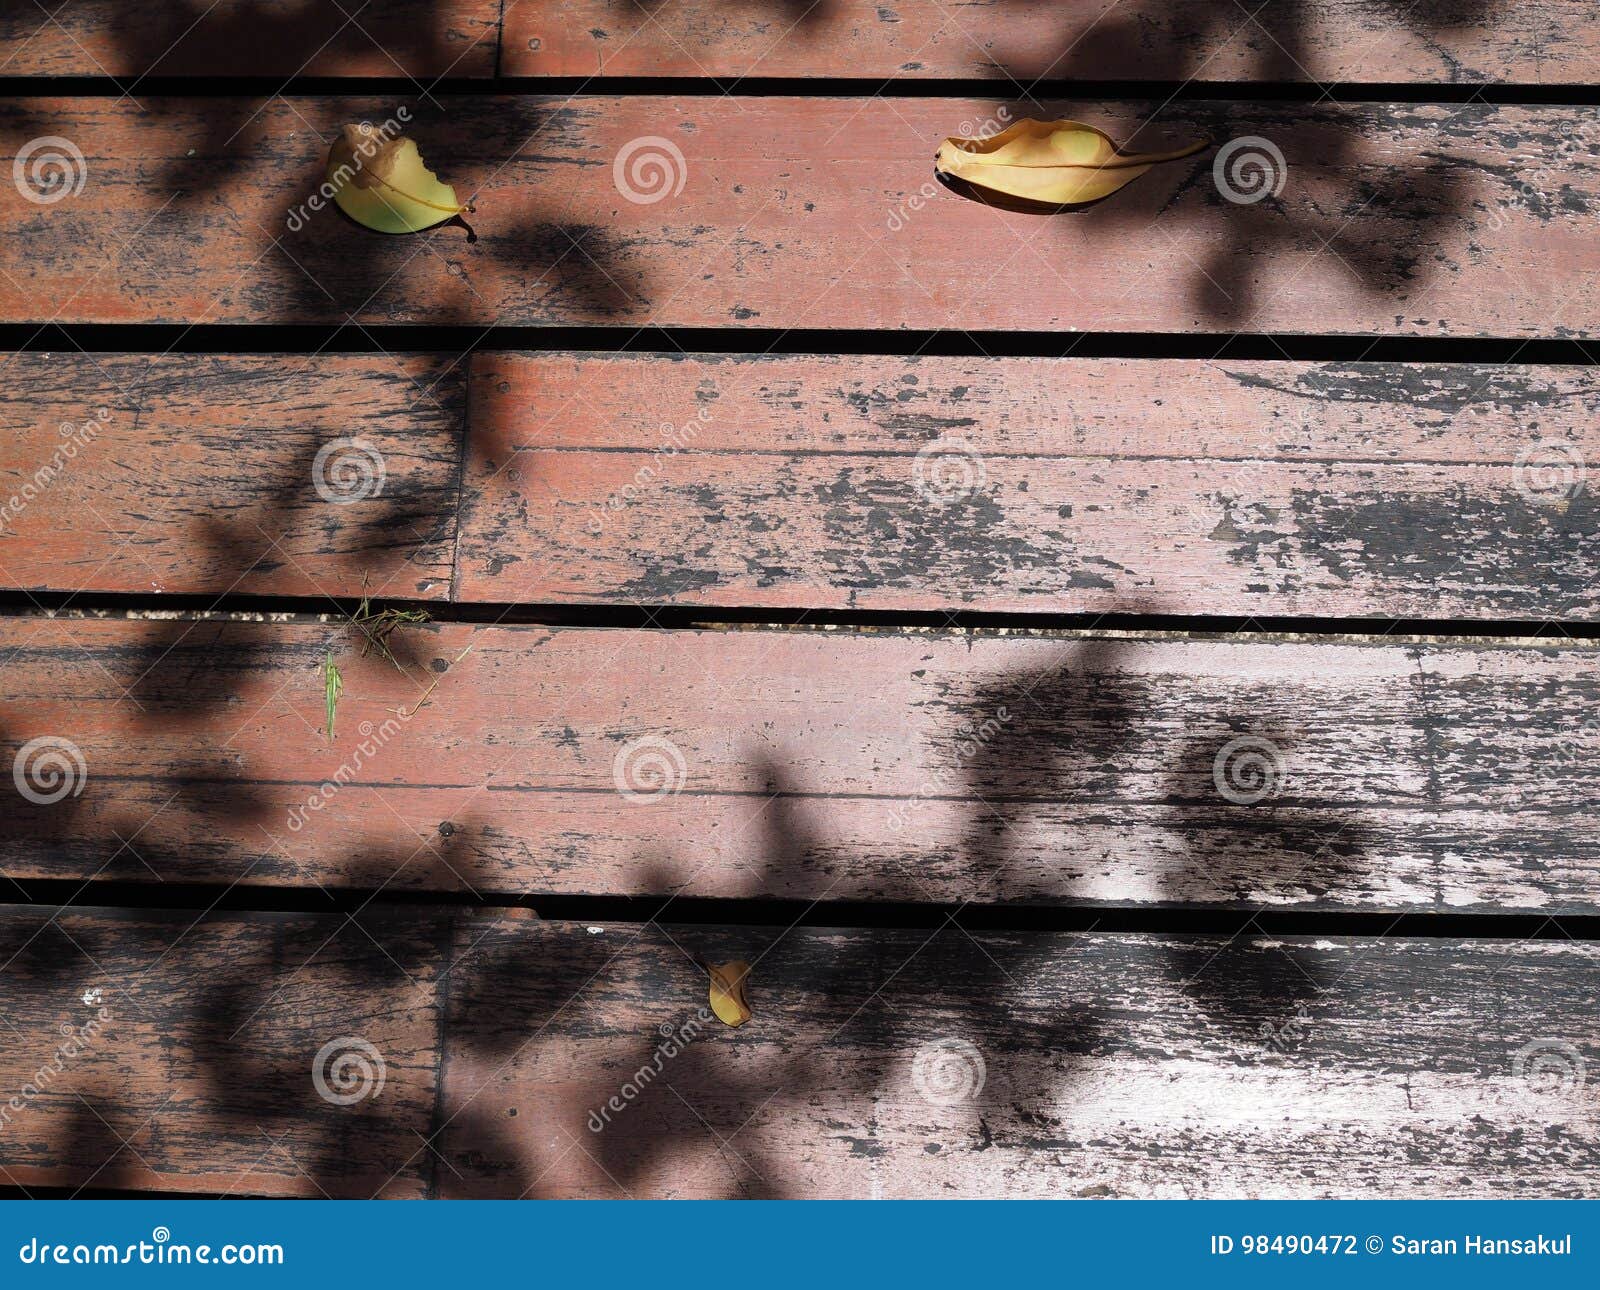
[[806, 482], [1539, 42], [430, 38], [1065, 485], [176, 1051], [904, 1064], [1410, 220], [289, 475], [810, 765]]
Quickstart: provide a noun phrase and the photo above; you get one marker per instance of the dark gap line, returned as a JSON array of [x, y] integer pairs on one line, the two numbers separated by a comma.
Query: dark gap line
[[310, 609], [751, 343], [126, 899], [1001, 88]]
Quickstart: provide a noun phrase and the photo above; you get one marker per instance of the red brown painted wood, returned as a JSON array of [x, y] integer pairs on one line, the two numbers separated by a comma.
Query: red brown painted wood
[[268, 474], [178, 1051], [283, 38], [808, 765], [1323, 41], [1060, 485], [926, 1062], [1392, 220]]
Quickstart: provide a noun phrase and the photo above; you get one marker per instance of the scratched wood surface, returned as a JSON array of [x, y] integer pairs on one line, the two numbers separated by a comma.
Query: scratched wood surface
[[1392, 220], [809, 482], [1325, 41], [210, 1050], [904, 1063], [1033, 485], [280, 38], [253, 474], [847, 765], [174, 1051]]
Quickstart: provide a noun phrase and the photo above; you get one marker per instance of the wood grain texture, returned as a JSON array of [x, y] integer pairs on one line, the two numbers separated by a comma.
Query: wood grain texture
[[1065, 485], [1393, 220], [1539, 42], [1094, 1065], [250, 38], [263, 474], [809, 765], [174, 1051]]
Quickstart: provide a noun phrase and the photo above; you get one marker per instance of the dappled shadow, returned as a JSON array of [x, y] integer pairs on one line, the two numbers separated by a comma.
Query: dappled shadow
[[1327, 155], [840, 1017], [201, 1050], [1065, 767], [424, 39], [856, 1008], [1180, 41]]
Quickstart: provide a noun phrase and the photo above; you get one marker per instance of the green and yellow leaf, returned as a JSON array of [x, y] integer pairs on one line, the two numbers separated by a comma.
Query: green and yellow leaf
[[382, 183], [333, 687]]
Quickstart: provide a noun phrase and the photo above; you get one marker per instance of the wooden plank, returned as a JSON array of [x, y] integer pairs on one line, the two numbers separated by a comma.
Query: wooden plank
[[285, 38], [806, 765], [269, 474], [1064, 485], [910, 1064], [166, 1051], [1543, 42], [175, 1051], [1393, 220]]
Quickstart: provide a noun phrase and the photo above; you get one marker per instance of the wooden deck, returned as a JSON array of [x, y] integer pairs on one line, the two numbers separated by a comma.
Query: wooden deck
[[1126, 679]]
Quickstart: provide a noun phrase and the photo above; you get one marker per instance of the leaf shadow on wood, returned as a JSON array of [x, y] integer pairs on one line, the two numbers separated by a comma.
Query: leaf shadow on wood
[[1179, 40], [1063, 757], [1301, 203]]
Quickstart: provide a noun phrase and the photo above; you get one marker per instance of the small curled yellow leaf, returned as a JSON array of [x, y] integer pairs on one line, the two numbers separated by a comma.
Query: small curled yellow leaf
[[1048, 163], [727, 991]]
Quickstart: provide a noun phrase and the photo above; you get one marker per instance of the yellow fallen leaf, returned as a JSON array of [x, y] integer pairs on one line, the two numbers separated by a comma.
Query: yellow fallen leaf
[[727, 991], [382, 183], [1053, 163]]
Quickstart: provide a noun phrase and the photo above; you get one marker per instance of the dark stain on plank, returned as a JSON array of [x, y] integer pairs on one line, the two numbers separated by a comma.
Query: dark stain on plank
[[1456, 538]]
